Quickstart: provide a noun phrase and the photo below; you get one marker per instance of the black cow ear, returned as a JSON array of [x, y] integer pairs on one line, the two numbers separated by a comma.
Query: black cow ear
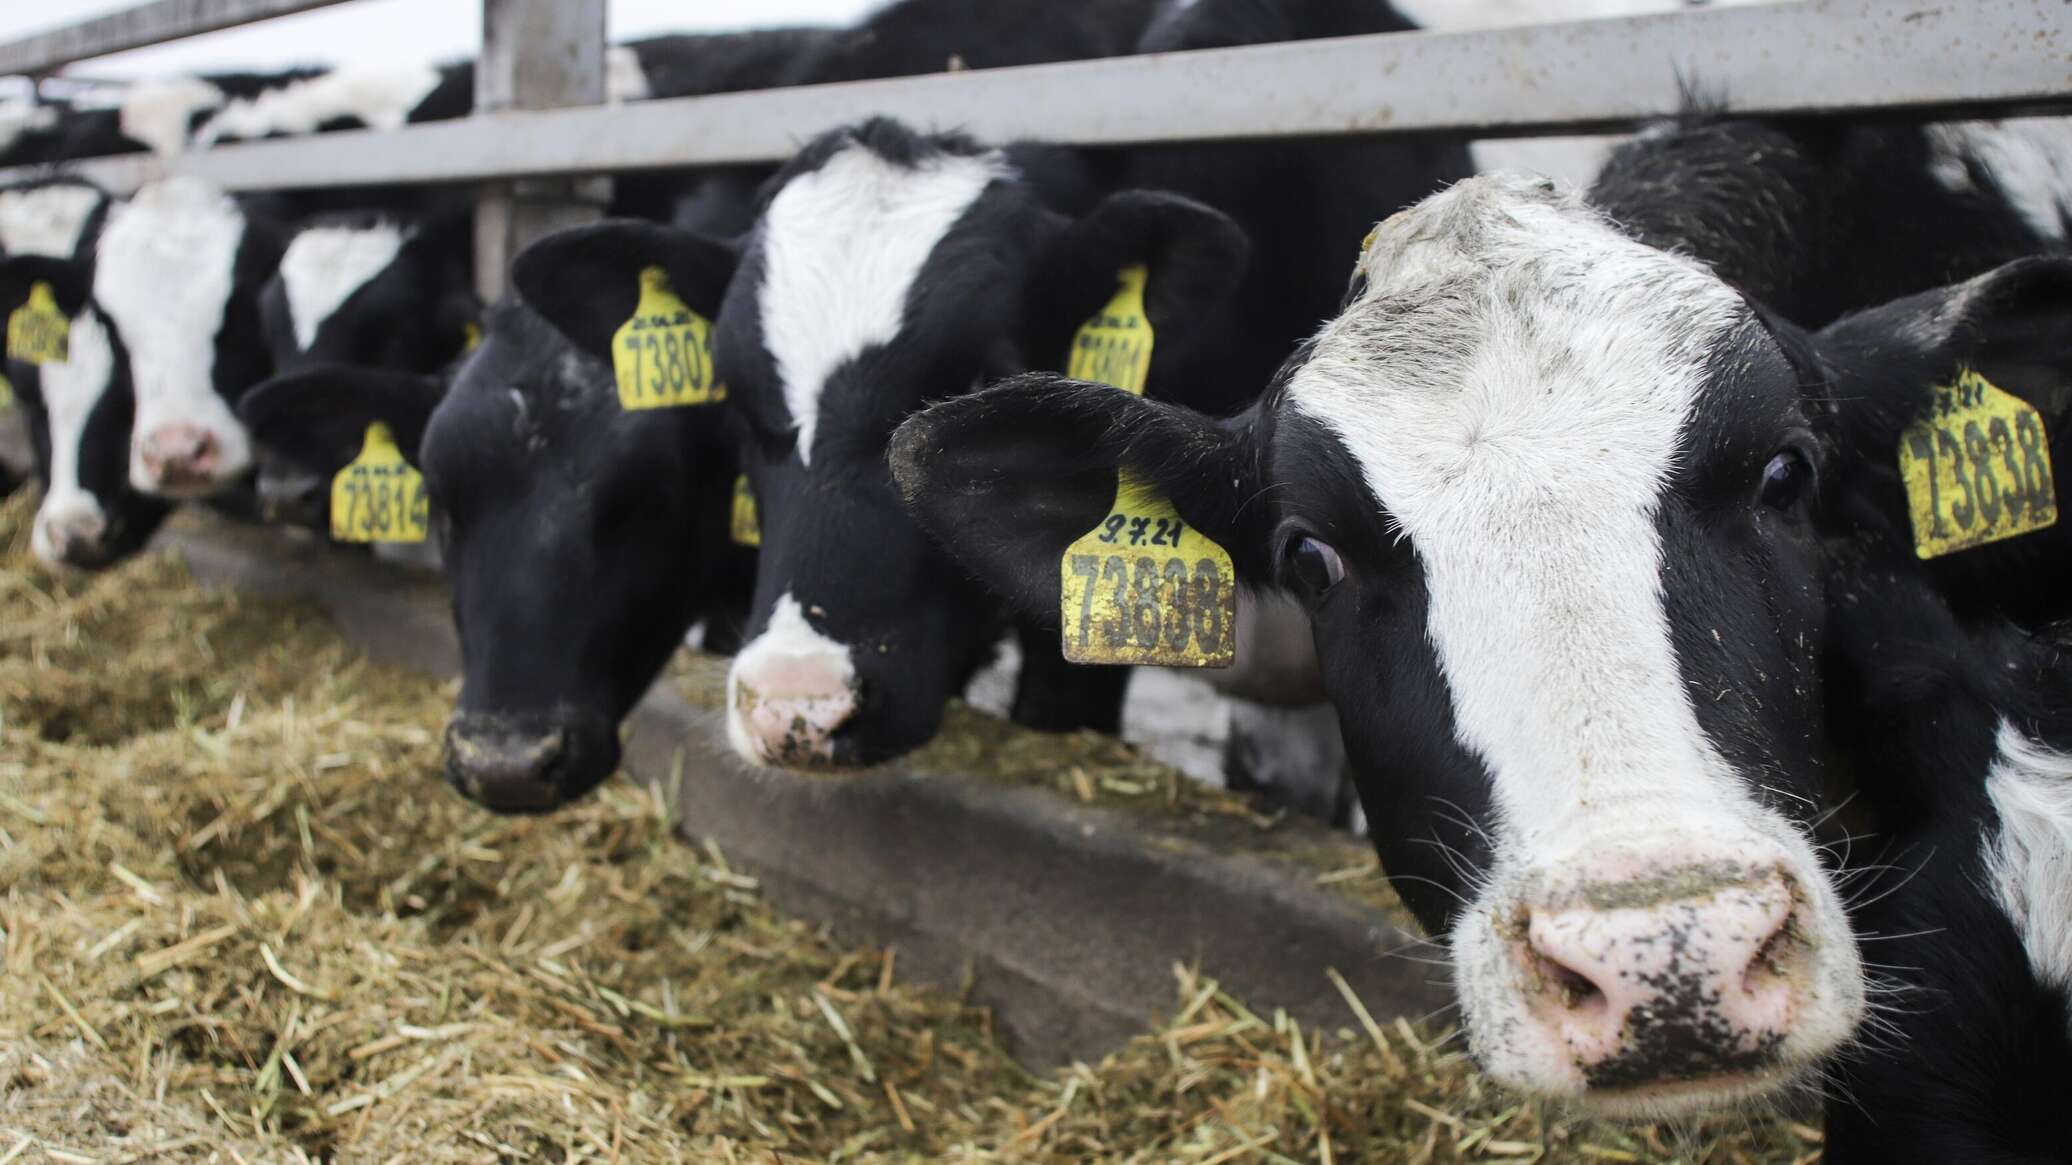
[[70, 282], [1007, 478], [2012, 325], [1194, 257], [587, 281], [318, 417]]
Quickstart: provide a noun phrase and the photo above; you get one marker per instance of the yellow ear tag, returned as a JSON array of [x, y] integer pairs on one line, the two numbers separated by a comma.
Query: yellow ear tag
[[1977, 468], [470, 337], [6, 395], [1114, 347], [1143, 587], [745, 529], [379, 497], [37, 332], [663, 355]]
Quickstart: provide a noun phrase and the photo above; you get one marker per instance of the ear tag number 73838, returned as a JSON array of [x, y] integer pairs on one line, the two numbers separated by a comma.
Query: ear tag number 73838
[[663, 355], [378, 497], [1143, 587], [1977, 469], [37, 332]]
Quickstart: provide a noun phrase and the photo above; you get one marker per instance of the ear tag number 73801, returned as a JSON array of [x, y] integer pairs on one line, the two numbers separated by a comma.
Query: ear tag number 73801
[[663, 355], [379, 497], [37, 332], [1143, 587], [1977, 468]]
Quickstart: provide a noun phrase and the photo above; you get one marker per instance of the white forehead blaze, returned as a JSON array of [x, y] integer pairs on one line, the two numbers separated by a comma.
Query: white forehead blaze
[[46, 220], [71, 392], [381, 98], [1514, 384], [160, 114], [324, 266], [842, 247], [164, 273]]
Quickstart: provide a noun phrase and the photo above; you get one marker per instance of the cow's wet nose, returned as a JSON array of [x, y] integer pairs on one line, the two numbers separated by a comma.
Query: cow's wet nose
[[71, 536], [1673, 975], [788, 693], [504, 770], [178, 455]]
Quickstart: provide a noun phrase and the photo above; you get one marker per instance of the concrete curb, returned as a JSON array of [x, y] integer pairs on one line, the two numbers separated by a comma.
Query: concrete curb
[[1065, 918]]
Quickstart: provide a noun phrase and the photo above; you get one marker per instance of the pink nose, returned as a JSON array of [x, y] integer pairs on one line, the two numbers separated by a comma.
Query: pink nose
[[180, 454], [787, 707], [1676, 974], [73, 533]]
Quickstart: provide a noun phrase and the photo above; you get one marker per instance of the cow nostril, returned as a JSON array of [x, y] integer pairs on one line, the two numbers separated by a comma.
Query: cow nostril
[[1579, 993]]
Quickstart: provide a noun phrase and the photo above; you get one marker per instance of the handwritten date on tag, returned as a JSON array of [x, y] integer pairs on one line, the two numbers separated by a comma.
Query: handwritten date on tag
[[37, 332], [663, 355], [744, 528], [1145, 588], [1977, 469], [1114, 347], [379, 497]]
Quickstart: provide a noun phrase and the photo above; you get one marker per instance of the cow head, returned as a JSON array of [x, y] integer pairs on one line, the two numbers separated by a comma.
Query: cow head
[[79, 411], [1564, 510], [178, 272], [582, 540], [889, 269]]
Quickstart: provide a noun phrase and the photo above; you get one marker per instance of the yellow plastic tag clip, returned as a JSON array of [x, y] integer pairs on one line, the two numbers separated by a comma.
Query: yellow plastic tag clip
[[1977, 469], [37, 332], [379, 497], [663, 355], [1114, 347], [745, 529]]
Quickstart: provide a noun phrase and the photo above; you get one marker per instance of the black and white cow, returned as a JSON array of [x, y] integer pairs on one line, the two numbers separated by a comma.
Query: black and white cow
[[1961, 740], [1562, 507], [178, 272], [583, 541], [888, 268]]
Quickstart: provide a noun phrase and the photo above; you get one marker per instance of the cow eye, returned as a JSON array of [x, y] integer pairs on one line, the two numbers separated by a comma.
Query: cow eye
[[1314, 565], [1786, 479]]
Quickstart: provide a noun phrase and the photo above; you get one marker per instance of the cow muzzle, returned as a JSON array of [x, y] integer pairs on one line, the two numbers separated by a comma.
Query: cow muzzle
[[507, 767], [179, 460]]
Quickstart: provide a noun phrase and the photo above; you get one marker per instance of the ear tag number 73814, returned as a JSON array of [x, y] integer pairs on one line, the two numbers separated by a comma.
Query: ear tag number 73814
[[379, 497], [663, 355], [37, 332], [1977, 468], [1143, 587]]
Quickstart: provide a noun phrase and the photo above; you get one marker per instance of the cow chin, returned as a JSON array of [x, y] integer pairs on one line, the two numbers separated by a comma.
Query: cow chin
[[1660, 975]]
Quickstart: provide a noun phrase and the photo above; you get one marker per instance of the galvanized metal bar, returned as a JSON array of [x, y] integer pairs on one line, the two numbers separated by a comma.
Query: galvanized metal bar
[[140, 27], [1935, 57], [536, 54]]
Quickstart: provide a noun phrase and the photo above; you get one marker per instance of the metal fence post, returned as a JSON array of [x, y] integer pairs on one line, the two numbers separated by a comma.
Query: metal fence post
[[536, 54]]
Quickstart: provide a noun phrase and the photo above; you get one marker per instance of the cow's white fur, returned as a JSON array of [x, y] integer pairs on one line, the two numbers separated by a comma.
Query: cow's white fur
[[842, 247], [2029, 158], [164, 274], [324, 266], [791, 643], [381, 97], [71, 392], [46, 220], [624, 78], [1514, 383], [2029, 858], [160, 113]]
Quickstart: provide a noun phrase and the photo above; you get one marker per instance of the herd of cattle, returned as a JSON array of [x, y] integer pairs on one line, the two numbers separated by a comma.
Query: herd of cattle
[[1675, 553]]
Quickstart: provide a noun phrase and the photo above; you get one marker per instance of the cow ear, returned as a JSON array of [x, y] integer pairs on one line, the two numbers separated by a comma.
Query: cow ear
[[69, 280], [587, 281], [2012, 326], [318, 417], [1194, 257], [1007, 478]]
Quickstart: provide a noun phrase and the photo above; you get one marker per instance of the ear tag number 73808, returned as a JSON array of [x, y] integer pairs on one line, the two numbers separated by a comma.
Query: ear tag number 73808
[[1143, 587], [663, 355], [37, 332], [379, 497], [1977, 468]]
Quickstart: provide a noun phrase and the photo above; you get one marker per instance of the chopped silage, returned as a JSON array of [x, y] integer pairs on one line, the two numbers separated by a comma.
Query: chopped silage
[[243, 922]]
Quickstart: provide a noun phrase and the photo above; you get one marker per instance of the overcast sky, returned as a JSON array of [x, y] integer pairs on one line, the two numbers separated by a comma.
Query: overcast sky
[[375, 31]]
